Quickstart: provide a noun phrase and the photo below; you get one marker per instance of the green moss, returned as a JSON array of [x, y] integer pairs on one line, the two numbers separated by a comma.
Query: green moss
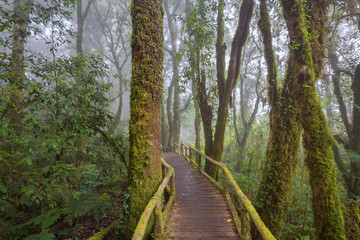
[[144, 170], [298, 109], [352, 220], [273, 195], [317, 140]]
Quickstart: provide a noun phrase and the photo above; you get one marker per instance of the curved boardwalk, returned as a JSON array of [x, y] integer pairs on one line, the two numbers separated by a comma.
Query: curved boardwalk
[[200, 211]]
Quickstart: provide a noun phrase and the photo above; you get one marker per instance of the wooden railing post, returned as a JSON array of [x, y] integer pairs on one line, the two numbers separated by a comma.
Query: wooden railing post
[[249, 208], [190, 154], [155, 206], [226, 183], [159, 223], [198, 160]]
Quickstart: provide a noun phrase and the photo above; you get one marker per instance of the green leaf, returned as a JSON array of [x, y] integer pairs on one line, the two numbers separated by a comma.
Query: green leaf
[[28, 161], [3, 188], [44, 235]]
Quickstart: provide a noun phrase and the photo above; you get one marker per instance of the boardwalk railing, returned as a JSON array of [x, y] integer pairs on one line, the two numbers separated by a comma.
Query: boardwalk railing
[[155, 206], [165, 193], [195, 157]]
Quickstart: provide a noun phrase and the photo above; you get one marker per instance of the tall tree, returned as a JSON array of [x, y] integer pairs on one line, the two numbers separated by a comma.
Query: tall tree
[[273, 195], [81, 16], [173, 120], [114, 25], [242, 137], [226, 85], [214, 146], [144, 170], [21, 11], [351, 141], [305, 65]]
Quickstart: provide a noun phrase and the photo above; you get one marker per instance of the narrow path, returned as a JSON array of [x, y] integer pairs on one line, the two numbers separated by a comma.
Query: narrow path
[[200, 211]]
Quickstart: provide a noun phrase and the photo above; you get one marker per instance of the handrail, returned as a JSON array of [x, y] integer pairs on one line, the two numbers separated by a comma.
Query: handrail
[[156, 203], [186, 151]]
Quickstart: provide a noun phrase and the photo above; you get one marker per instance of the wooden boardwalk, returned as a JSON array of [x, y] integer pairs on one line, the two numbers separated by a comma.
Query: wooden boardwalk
[[199, 211]]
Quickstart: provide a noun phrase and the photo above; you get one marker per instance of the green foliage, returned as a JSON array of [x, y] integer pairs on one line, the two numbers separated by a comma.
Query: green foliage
[[200, 25], [59, 157], [57, 160]]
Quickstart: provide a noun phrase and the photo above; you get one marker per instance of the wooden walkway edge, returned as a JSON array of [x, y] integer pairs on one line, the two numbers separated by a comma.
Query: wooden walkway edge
[[200, 211]]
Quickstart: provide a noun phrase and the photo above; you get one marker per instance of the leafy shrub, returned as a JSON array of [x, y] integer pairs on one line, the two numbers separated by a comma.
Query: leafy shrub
[[57, 159]]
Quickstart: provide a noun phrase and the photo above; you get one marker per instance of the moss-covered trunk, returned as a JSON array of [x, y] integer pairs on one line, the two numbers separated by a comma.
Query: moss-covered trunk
[[273, 196], [305, 65], [354, 189], [144, 170]]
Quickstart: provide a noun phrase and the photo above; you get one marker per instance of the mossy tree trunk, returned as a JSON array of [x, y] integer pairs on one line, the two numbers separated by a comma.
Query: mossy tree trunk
[[195, 79], [144, 170], [273, 195], [354, 189], [299, 108], [306, 62], [197, 121], [169, 114]]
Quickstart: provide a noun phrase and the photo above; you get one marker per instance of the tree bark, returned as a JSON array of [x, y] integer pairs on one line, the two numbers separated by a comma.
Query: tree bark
[[16, 82], [144, 170], [169, 114], [334, 61], [226, 87], [174, 126], [306, 60], [355, 138], [197, 120], [120, 106], [206, 114], [81, 16]]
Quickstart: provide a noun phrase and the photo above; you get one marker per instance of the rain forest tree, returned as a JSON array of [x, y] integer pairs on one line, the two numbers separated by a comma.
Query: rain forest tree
[[113, 44], [144, 170], [242, 135], [214, 143], [300, 110], [351, 139], [227, 84], [81, 16], [173, 119]]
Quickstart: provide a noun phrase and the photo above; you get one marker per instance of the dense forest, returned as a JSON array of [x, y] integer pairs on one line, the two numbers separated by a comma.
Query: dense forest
[[92, 93]]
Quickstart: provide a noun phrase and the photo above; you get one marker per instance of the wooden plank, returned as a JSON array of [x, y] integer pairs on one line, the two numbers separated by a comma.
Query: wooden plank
[[200, 211]]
